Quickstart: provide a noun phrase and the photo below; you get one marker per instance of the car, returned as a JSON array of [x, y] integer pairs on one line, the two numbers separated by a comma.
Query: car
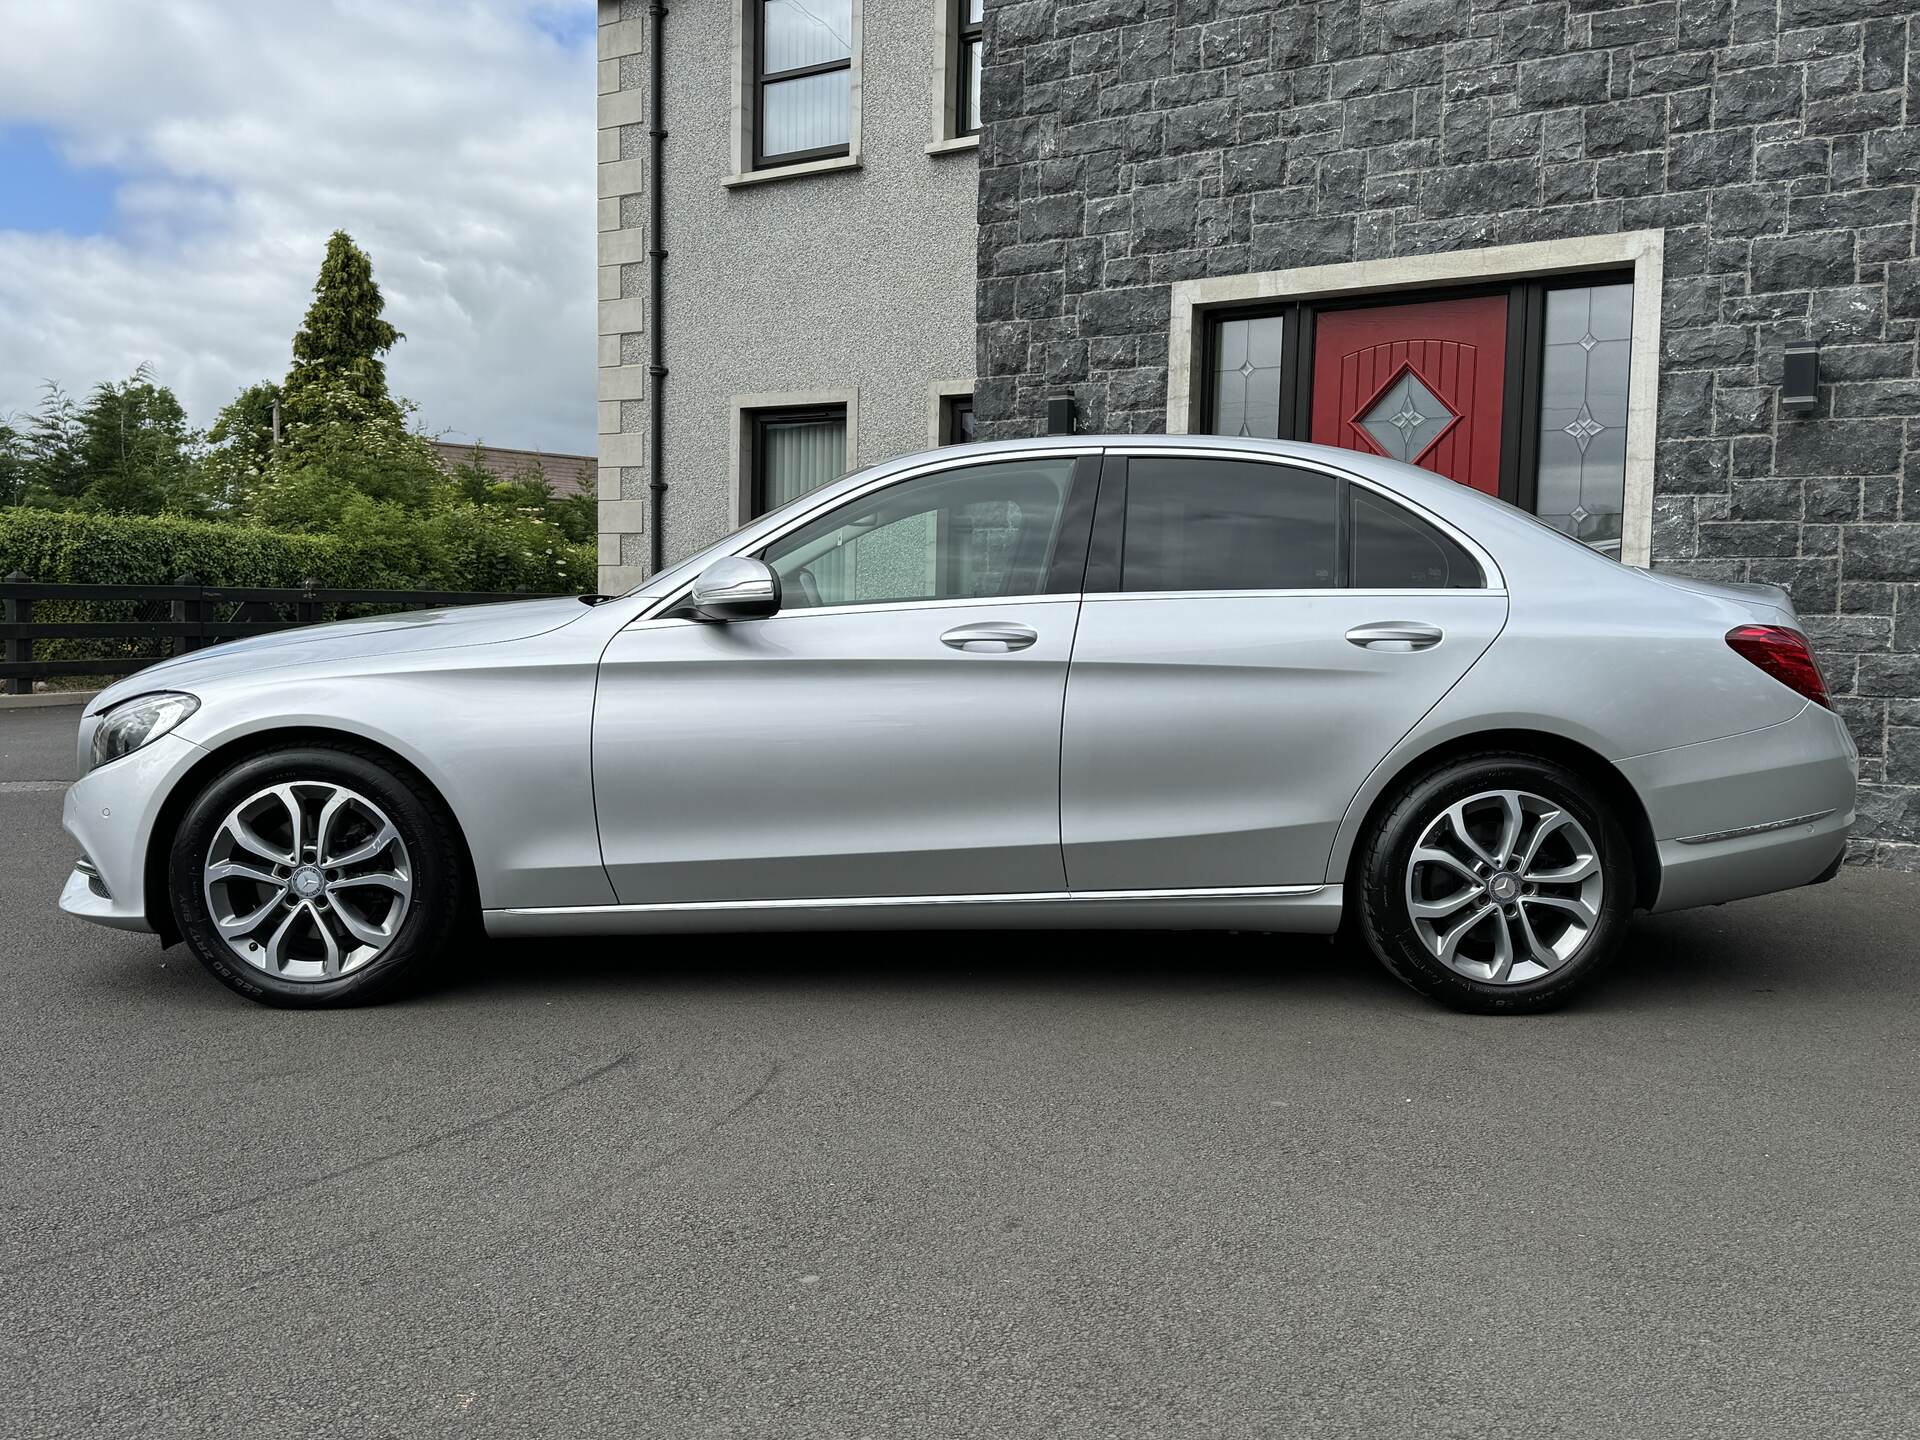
[[1153, 682]]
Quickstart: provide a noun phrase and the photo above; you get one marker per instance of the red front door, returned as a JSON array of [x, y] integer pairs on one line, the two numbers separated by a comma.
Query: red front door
[[1422, 383]]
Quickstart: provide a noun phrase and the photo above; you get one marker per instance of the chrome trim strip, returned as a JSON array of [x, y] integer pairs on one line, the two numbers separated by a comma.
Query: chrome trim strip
[[1320, 592], [1050, 897], [1745, 830]]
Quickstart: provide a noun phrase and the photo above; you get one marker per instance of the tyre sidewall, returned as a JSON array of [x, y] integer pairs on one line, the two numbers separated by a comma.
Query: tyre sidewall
[[437, 874], [1389, 928]]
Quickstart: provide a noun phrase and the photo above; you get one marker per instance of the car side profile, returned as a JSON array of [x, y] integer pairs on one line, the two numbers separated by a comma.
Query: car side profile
[[1128, 681]]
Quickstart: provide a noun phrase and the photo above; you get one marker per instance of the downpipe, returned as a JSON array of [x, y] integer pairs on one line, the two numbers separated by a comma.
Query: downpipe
[[656, 305]]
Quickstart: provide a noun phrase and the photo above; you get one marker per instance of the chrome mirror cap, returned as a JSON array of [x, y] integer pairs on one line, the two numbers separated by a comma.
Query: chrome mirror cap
[[736, 588]]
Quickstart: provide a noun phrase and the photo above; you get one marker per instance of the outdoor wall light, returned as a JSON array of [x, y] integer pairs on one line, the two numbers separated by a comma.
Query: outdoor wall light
[[1800, 378], [1060, 417]]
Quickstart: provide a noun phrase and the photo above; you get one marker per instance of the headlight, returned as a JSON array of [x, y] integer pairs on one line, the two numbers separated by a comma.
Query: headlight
[[132, 723]]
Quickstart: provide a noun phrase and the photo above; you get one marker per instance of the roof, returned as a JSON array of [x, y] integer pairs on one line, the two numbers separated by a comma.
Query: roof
[[567, 474]]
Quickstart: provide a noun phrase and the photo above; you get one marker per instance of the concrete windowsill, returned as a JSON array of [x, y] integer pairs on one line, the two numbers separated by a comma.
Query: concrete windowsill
[[793, 172], [955, 145]]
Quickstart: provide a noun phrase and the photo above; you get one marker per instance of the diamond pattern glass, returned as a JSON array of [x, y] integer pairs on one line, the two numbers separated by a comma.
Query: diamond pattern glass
[[1406, 418], [1246, 377], [1583, 412]]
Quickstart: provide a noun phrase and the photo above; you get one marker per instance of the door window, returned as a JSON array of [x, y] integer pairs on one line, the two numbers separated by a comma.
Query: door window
[[1228, 525], [984, 532]]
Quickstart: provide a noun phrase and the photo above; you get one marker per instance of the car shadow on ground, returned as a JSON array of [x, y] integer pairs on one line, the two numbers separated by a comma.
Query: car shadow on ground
[[1666, 960]]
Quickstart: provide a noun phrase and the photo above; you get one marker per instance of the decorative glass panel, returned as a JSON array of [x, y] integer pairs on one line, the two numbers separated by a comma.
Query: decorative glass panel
[[799, 33], [798, 456], [1246, 377], [1406, 418], [806, 114], [1583, 413]]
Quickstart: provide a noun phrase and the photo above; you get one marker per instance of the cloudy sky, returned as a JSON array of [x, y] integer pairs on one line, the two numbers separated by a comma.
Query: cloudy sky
[[170, 171]]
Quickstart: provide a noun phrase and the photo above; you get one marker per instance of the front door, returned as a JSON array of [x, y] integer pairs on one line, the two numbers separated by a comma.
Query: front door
[[1424, 383], [893, 731]]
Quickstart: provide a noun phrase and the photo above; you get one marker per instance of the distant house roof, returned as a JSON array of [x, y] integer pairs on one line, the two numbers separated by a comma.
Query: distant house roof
[[567, 474]]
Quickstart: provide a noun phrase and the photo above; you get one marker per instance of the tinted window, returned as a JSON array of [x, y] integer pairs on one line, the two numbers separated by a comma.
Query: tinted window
[[1228, 525], [983, 532], [1394, 550]]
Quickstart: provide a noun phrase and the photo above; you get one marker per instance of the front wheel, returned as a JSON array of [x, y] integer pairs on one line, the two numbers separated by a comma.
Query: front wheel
[[1496, 883], [321, 875]]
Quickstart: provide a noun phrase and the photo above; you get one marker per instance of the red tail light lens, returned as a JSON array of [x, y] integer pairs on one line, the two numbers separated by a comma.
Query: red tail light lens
[[1785, 655]]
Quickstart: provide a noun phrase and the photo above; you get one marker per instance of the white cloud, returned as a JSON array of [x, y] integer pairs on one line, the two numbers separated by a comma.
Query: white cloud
[[455, 142]]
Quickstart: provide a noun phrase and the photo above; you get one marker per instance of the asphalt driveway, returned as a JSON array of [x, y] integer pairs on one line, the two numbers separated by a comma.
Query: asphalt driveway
[[1071, 1185]]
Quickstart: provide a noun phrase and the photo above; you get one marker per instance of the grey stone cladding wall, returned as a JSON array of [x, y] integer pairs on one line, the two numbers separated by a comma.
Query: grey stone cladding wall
[[1132, 143]]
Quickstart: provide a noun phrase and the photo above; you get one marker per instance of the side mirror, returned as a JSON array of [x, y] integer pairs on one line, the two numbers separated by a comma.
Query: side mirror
[[736, 588]]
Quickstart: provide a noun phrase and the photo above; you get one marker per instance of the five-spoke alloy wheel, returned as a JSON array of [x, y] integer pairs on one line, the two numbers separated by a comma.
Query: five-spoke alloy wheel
[[1494, 882], [317, 876]]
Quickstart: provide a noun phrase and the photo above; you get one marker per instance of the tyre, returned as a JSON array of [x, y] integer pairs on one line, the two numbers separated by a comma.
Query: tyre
[[1496, 883], [320, 875]]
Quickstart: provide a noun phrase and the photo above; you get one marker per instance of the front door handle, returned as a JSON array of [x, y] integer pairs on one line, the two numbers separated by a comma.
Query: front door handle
[[991, 637], [1395, 635]]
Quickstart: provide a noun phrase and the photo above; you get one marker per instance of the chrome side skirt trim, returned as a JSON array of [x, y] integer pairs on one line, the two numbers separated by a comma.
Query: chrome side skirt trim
[[1022, 897], [1309, 909], [1746, 830]]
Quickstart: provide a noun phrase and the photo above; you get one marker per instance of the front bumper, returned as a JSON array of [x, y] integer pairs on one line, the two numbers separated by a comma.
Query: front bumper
[[1749, 814], [111, 814]]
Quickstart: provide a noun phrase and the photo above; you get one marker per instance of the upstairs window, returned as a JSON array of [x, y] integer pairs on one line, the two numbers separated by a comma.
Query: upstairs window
[[803, 80], [970, 18]]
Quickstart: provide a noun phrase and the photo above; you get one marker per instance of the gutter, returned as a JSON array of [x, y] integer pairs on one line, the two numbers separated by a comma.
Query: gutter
[[657, 262]]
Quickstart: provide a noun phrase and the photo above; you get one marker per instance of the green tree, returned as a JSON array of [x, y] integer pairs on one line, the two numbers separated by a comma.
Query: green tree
[[138, 450], [13, 464], [56, 458], [338, 347], [241, 444]]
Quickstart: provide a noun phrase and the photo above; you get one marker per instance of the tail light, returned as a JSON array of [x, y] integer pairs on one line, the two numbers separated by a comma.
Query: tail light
[[1785, 655]]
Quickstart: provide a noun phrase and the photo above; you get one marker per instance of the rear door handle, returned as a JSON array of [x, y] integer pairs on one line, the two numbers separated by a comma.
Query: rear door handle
[[1395, 635], [991, 637]]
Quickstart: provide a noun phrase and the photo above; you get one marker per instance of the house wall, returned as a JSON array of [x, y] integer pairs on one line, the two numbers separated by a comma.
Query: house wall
[[1772, 145], [853, 281]]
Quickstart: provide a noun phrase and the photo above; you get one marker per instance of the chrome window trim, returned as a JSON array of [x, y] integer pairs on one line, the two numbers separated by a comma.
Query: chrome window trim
[[1324, 590], [879, 482], [878, 607], [852, 902], [1490, 570], [1496, 582]]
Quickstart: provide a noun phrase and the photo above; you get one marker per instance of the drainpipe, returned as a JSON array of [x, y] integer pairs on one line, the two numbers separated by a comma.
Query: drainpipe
[[657, 262]]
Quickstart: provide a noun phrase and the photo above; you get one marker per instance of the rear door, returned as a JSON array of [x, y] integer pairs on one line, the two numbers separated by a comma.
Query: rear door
[[1255, 636]]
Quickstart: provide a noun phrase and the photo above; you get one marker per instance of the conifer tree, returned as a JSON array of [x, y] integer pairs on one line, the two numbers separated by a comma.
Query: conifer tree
[[339, 345]]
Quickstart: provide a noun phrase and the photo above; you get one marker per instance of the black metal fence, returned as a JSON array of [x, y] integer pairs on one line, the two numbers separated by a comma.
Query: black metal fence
[[118, 629]]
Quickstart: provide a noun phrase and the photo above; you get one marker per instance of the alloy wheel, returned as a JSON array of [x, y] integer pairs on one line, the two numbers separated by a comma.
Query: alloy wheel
[[1504, 887], [307, 880]]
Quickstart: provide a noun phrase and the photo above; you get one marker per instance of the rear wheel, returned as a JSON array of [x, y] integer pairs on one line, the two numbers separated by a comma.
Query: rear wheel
[[317, 876], [1496, 883]]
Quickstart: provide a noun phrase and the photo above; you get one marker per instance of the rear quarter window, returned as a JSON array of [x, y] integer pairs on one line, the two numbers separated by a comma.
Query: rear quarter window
[[1394, 549]]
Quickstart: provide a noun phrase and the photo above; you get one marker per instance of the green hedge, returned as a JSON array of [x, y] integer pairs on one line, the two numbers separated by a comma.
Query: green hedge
[[450, 550], [462, 548]]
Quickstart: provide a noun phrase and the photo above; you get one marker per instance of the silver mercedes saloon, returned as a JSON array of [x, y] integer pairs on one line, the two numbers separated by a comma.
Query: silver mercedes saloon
[[1133, 682]]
